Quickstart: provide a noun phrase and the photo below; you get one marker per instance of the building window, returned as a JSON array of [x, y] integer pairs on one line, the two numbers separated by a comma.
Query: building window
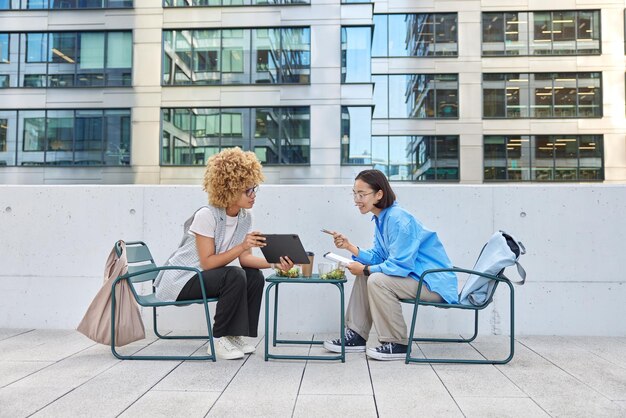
[[85, 137], [64, 4], [356, 135], [236, 56], [423, 96], [542, 95], [356, 60], [415, 35], [277, 135], [66, 59], [225, 3], [564, 32], [543, 158], [401, 158]]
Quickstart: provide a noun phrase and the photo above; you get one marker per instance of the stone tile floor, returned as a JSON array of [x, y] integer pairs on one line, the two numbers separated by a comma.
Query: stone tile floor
[[60, 373]]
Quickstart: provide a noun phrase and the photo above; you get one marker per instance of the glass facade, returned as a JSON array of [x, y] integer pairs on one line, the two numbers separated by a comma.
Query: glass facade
[[237, 56], [225, 3], [66, 59], [543, 158], [277, 135], [542, 95], [563, 32], [356, 135], [85, 137], [356, 63], [415, 35], [422, 96], [64, 4]]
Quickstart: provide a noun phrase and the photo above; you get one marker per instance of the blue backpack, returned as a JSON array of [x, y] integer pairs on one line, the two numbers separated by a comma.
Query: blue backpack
[[501, 251]]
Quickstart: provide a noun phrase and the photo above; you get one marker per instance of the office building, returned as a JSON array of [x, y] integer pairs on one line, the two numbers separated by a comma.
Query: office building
[[123, 91]]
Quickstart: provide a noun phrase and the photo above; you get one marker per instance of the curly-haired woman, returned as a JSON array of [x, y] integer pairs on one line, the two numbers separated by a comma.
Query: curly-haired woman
[[214, 237]]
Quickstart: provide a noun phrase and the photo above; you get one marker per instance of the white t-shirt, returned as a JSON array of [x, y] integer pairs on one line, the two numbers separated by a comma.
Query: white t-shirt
[[204, 224]]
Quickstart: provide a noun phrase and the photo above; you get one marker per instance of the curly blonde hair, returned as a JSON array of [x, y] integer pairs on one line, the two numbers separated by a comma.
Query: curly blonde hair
[[229, 173]]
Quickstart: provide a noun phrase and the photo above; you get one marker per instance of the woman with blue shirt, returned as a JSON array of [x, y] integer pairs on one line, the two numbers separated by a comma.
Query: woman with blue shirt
[[403, 250]]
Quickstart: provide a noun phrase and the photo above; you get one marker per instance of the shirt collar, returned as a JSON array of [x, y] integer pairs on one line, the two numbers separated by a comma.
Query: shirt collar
[[383, 214]]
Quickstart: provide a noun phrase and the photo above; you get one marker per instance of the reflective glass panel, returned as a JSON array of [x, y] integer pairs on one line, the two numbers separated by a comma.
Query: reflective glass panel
[[380, 36], [236, 60], [31, 137], [295, 55], [267, 56], [119, 58], [355, 54], [4, 48], [89, 137], [117, 137], [8, 137], [295, 135], [91, 59], [60, 137], [416, 96], [356, 145], [266, 142], [276, 135], [206, 56], [400, 31]]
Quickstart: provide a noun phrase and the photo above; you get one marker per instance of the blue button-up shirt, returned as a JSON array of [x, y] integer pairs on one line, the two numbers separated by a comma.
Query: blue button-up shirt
[[404, 248]]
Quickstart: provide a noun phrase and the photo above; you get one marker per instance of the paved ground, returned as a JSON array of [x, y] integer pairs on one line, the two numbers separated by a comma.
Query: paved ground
[[60, 373]]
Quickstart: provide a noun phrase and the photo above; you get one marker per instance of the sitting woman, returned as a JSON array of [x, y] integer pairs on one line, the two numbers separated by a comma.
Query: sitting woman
[[213, 238], [390, 271]]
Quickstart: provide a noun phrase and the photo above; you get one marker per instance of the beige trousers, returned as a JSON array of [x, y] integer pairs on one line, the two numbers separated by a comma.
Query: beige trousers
[[377, 299]]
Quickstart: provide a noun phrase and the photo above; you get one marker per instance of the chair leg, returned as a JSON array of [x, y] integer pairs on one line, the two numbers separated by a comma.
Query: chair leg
[[410, 359], [210, 330], [154, 324], [174, 337], [452, 340], [140, 357]]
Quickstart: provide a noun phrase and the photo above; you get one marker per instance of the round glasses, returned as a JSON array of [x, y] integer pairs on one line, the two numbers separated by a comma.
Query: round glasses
[[360, 195], [252, 190]]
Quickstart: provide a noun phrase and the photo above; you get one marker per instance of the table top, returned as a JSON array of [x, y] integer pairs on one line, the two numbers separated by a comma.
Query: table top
[[313, 279]]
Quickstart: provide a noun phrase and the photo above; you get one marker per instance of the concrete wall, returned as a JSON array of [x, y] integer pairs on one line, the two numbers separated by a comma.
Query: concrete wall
[[55, 240]]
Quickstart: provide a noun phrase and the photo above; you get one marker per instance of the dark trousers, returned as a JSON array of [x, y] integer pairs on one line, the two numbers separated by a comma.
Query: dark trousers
[[239, 291]]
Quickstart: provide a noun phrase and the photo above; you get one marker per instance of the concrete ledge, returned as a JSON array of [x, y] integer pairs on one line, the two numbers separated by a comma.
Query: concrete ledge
[[56, 239]]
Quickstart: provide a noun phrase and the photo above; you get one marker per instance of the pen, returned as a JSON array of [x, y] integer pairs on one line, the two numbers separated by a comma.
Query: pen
[[326, 231]]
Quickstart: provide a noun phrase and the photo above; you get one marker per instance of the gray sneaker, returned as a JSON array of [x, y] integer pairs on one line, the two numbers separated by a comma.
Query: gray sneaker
[[241, 344], [226, 350]]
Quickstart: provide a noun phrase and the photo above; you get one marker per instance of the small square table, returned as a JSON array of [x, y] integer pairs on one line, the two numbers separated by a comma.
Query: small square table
[[274, 282]]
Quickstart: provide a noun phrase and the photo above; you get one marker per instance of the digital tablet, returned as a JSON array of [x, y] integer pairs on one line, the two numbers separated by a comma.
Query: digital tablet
[[279, 245]]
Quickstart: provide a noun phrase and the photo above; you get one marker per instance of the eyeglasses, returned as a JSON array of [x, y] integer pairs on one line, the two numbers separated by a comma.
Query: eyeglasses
[[360, 195], [252, 190]]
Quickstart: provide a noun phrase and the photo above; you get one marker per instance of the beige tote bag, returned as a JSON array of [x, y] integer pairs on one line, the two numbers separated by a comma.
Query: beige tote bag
[[96, 323]]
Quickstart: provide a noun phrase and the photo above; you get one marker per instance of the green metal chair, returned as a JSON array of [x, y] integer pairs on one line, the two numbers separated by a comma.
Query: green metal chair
[[500, 278], [141, 268]]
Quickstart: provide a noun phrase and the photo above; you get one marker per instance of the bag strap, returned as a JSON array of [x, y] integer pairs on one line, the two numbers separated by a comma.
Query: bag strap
[[521, 272]]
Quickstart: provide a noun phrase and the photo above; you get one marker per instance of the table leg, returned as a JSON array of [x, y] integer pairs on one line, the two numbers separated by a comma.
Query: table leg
[[342, 324], [267, 319], [275, 315]]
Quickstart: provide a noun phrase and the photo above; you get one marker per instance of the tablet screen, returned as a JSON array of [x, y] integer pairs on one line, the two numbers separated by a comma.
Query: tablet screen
[[279, 245]]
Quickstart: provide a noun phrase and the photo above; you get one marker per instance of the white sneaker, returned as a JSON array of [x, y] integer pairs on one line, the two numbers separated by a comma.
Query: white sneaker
[[226, 350], [241, 344]]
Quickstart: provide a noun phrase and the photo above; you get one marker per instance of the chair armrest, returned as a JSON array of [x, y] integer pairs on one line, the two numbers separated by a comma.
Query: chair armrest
[[501, 278], [161, 268], [150, 270]]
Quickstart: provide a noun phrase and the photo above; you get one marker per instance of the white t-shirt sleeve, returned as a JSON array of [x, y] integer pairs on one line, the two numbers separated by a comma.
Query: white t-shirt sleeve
[[203, 224]]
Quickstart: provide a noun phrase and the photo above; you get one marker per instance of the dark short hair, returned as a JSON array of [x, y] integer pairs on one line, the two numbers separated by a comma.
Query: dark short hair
[[377, 181]]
